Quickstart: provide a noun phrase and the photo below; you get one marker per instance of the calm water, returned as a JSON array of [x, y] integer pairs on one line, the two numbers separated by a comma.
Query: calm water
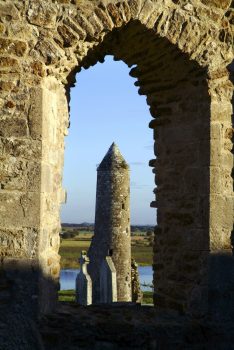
[[68, 277]]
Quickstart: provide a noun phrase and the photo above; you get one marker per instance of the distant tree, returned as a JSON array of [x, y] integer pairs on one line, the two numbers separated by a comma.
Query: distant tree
[[149, 233], [151, 240], [69, 234]]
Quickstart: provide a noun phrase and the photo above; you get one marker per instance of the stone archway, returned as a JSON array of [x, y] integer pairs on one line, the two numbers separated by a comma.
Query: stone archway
[[181, 53]]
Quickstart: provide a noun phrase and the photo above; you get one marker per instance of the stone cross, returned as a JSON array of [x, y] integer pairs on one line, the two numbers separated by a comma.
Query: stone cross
[[83, 282], [108, 281]]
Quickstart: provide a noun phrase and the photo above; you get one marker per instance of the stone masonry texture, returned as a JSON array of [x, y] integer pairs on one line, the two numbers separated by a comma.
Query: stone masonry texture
[[112, 224], [181, 54]]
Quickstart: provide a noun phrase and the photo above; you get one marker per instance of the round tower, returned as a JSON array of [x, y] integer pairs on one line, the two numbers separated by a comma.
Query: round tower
[[112, 223]]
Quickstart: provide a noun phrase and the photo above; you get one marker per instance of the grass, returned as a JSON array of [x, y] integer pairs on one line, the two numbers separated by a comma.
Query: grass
[[71, 248], [142, 254], [148, 298], [66, 295], [69, 295]]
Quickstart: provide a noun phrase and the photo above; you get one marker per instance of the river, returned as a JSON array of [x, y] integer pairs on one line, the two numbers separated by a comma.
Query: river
[[68, 278]]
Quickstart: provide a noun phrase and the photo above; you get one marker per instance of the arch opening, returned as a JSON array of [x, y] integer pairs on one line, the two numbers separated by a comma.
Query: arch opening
[[177, 94], [124, 117]]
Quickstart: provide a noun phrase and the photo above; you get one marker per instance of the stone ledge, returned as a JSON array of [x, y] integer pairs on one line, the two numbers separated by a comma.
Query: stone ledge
[[129, 327]]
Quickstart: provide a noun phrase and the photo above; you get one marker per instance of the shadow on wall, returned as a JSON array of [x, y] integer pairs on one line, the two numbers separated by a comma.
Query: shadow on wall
[[21, 282], [20, 301], [221, 287]]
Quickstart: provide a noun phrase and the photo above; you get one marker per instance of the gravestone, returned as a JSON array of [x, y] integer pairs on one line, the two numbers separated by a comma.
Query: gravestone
[[108, 281], [83, 282]]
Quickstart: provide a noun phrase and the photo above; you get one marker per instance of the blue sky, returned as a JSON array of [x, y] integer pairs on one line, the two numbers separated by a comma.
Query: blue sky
[[106, 107]]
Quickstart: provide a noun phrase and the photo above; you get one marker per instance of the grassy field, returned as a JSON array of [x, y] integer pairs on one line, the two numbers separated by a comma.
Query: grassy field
[[71, 248], [69, 295]]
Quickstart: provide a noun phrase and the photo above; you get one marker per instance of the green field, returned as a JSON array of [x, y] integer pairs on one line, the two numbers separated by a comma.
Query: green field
[[70, 250], [69, 295]]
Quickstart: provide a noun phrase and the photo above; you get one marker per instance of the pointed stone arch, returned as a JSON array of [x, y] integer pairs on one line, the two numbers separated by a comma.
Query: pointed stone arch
[[180, 54]]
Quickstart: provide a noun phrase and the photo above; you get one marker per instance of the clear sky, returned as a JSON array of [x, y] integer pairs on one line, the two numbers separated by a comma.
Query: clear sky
[[106, 107]]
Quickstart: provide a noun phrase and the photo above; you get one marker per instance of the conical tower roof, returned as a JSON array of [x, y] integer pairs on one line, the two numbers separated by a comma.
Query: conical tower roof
[[113, 159]]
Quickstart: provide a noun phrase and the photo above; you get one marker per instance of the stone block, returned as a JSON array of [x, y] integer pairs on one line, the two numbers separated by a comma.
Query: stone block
[[2, 28], [125, 11], [44, 241], [42, 14], [223, 4], [227, 160], [19, 209], [216, 130], [6, 86], [196, 180], [75, 27], [18, 147], [226, 180], [221, 111], [9, 12], [68, 37], [221, 217], [108, 281], [197, 240], [135, 7], [84, 24], [35, 113], [216, 148], [198, 301], [173, 217], [216, 180], [220, 239], [115, 15], [15, 47], [13, 127], [54, 239], [50, 52], [20, 175], [96, 23], [146, 11], [47, 178], [38, 68], [21, 242]]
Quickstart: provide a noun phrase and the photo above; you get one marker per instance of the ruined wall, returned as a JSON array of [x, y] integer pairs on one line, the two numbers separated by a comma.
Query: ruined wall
[[112, 224], [182, 51]]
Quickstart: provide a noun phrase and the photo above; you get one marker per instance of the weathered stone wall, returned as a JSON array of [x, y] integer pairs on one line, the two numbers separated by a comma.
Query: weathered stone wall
[[182, 50], [54, 128], [128, 327], [137, 294], [112, 224]]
